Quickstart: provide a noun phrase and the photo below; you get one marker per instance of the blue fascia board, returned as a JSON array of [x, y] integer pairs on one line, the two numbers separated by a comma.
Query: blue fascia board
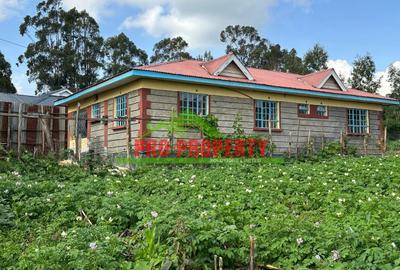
[[222, 83]]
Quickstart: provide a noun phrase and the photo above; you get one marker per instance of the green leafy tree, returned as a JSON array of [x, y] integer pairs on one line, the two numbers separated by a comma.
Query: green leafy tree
[[246, 43], [205, 57], [292, 62], [5, 76], [67, 51], [122, 54], [363, 75], [315, 59], [274, 58], [394, 80], [170, 49]]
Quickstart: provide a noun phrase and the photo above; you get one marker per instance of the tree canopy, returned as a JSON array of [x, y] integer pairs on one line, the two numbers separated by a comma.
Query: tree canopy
[[6, 84], [67, 51], [122, 54], [170, 49], [363, 74], [315, 59]]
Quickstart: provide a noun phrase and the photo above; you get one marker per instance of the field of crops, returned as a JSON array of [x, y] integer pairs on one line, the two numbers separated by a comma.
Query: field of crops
[[341, 213]]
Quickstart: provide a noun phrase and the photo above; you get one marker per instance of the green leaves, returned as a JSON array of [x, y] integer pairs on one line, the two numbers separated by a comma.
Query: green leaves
[[336, 214]]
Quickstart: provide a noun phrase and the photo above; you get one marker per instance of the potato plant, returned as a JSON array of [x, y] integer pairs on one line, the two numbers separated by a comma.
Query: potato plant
[[340, 213]]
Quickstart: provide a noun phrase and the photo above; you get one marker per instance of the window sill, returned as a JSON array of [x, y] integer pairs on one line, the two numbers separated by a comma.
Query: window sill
[[357, 134], [312, 116], [119, 128], [276, 130]]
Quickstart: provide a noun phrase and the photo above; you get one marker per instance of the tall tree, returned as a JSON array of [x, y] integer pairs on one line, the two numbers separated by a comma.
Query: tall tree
[[292, 62], [67, 52], [363, 74], [246, 43], [170, 49], [122, 54], [206, 56], [316, 59], [394, 80], [5, 76]]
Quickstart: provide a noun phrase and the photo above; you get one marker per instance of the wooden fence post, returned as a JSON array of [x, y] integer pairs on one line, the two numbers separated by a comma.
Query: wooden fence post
[[9, 127], [19, 130], [251, 266], [76, 131]]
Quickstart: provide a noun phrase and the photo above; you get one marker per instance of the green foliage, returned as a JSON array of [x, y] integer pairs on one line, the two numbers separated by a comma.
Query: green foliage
[[394, 80], [315, 59], [170, 49], [391, 120], [246, 43], [67, 51], [122, 54], [336, 214], [205, 57], [363, 74], [6, 84]]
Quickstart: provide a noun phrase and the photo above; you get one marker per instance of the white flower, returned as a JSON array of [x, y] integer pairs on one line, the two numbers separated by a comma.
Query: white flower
[[394, 245], [17, 183], [110, 193], [200, 197], [214, 205], [354, 181], [308, 177], [110, 219], [248, 190], [107, 238], [227, 203], [78, 218], [335, 255], [299, 241], [193, 177], [346, 174], [118, 206], [154, 214], [316, 224], [48, 200], [93, 245], [15, 173], [203, 214], [6, 191], [318, 257], [339, 214], [63, 234], [369, 199]]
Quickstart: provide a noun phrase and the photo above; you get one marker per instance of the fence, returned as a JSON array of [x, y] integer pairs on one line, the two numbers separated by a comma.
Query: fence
[[34, 128]]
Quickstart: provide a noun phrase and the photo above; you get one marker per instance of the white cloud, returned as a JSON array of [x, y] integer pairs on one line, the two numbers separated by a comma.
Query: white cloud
[[21, 83], [9, 8], [198, 22], [96, 8], [344, 68]]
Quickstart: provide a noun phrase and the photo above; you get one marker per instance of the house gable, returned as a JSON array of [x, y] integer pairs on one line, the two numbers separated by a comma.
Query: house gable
[[332, 81], [228, 66]]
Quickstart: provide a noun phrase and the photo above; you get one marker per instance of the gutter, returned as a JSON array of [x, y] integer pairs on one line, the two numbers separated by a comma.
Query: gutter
[[132, 74]]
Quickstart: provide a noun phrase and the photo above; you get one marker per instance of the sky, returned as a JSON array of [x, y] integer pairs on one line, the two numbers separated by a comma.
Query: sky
[[346, 29]]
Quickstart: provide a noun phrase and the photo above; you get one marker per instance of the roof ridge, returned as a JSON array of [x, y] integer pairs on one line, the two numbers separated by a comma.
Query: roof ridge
[[315, 73], [164, 63]]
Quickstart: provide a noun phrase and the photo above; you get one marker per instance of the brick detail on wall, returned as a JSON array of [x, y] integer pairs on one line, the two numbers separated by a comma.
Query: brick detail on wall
[[144, 105]]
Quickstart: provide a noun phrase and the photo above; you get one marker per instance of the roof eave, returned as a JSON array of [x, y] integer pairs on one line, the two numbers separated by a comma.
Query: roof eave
[[137, 73]]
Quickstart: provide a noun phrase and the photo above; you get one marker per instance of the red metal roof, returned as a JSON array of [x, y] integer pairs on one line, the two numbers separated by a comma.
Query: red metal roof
[[195, 68]]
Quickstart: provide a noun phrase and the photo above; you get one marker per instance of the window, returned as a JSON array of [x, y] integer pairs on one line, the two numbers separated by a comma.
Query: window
[[267, 111], [304, 109], [322, 110], [357, 121], [82, 123], [120, 110], [96, 111], [193, 103]]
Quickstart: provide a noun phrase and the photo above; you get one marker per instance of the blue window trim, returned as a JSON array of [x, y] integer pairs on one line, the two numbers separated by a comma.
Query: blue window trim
[[267, 110], [96, 113], [358, 121], [130, 75]]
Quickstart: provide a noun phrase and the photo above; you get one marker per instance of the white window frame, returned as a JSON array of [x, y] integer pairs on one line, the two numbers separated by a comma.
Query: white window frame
[[262, 114]]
